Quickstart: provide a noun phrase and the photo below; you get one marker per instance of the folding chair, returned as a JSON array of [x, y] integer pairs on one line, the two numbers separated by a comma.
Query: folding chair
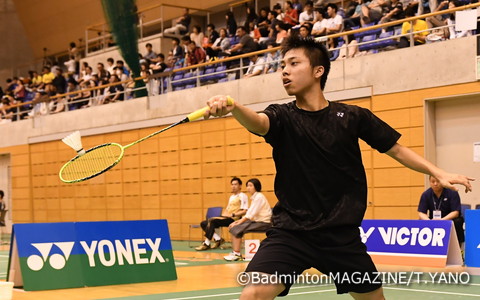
[[211, 213]]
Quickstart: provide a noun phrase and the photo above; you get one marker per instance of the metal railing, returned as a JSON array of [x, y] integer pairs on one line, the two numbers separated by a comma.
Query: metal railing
[[166, 79]]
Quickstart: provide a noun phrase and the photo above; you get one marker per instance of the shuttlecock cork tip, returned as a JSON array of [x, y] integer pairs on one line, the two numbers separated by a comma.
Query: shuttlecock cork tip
[[74, 140]]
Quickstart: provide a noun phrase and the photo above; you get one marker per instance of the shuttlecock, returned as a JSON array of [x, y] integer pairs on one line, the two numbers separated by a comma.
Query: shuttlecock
[[74, 140]]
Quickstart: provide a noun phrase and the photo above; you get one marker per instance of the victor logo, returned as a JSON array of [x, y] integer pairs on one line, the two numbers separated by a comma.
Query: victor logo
[[56, 261]]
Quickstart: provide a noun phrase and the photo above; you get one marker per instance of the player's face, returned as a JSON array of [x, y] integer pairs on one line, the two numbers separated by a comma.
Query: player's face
[[250, 188], [235, 187], [298, 76], [435, 185]]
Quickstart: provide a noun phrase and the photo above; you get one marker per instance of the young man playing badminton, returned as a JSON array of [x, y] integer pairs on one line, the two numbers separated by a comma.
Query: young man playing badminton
[[320, 182]]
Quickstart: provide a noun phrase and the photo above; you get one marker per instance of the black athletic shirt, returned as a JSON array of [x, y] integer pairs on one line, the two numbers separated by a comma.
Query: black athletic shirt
[[320, 181]]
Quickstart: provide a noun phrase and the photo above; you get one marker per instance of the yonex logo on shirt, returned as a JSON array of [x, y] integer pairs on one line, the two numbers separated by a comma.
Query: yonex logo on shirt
[[340, 114]]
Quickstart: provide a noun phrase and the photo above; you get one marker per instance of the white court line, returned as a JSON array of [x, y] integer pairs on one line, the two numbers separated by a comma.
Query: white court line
[[238, 293], [433, 292]]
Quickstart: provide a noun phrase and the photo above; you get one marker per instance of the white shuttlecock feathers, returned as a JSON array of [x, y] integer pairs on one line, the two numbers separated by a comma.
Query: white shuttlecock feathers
[[74, 140]]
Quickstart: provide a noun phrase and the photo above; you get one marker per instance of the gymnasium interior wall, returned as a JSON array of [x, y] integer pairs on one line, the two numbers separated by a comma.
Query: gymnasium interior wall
[[182, 172]]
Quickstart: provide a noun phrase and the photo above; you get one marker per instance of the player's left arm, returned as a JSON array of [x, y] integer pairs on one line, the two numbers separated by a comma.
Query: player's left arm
[[412, 160]]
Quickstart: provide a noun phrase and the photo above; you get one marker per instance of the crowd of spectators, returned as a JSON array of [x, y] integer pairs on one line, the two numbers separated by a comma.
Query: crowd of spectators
[[190, 46]]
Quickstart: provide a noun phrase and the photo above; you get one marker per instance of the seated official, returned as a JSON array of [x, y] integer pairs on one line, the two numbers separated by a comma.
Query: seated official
[[237, 207], [438, 203], [257, 218]]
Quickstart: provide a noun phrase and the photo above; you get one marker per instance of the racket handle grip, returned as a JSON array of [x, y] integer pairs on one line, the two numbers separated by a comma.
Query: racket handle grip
[[199, 113]]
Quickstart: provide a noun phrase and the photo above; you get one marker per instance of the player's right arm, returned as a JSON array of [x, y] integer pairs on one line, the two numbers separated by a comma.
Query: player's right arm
[[255, 122]]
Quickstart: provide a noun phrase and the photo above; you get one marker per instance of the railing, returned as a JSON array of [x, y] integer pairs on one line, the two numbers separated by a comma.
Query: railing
[[103, 34], [165, 79]]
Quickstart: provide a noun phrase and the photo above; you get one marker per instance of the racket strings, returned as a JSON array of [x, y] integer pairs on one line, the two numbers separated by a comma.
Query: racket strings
[[92, 163]]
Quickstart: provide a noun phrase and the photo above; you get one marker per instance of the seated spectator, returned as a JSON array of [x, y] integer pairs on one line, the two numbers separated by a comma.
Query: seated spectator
[[438, 21], [36, 79], [291, 14], [71, 65], [181, 25], [254, 32], [221, 44], [350, 50], [372, 11], [395, 12], [47, 78], [272, 60], [353, 15], [121, 76], [307, 16], [7, 112], [236, 208], [438, 203], [72, 86], [231, 23], [212, 36], [304, 31], [251, 16], [101, 72], [257, 218], [277, 8], [245, 44], [281, 33], [115, 92], [195, 55], [320, 26], [87, 76], [19, 91], [160, 65], [111, 65], [85, 95], [197, 36], [453, 32], [334, 21], [272, 31], [59, 82], [418, 25], [297, 5], [262, 20], [122, 67], [177, 50], [150, 56], [256, 66]]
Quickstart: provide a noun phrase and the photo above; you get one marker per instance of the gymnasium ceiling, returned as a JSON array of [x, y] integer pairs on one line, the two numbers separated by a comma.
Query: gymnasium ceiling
[[53, 24]]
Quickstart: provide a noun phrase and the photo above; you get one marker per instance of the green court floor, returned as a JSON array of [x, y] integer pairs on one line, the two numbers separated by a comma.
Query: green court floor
[[327, 292]]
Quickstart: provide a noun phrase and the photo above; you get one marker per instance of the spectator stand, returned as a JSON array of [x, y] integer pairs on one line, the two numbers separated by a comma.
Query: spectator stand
[[216, 71]]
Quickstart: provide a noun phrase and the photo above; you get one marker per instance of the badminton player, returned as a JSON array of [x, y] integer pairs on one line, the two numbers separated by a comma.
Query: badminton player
[[320, 182]]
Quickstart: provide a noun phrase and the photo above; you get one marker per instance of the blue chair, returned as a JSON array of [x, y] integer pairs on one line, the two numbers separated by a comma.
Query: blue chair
[[175, 81], [190, 78], [212, 212], [208, 77], [465, 207], [221, 70], [385, 43], [369, 46]]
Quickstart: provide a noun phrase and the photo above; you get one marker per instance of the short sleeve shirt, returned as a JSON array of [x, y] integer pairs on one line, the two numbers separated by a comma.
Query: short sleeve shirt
[[320, 180], [448, 201]]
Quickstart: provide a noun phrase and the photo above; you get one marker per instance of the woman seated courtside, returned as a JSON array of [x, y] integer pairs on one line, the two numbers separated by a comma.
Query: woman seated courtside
[[257, 218]]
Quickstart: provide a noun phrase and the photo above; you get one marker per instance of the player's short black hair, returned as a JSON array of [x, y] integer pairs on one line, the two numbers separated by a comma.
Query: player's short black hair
[[237, 180], [256, 184], [316, 52]]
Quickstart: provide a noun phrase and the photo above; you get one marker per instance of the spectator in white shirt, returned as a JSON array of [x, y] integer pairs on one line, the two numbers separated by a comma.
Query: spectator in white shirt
[[256, 66], [334, 21]]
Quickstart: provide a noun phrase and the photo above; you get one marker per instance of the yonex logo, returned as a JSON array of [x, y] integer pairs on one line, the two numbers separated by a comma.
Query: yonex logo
[[56, 260], [340, 114]]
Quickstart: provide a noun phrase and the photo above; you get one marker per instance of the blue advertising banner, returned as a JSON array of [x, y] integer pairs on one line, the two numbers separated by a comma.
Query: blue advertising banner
[[411, 242], [472, 238], [63, 255]]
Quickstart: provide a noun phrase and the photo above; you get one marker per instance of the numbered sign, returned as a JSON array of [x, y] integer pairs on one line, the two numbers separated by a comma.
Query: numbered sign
[[251, 247]]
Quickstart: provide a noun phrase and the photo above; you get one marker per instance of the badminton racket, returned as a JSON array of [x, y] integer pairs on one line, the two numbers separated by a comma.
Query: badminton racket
[[101, 158]]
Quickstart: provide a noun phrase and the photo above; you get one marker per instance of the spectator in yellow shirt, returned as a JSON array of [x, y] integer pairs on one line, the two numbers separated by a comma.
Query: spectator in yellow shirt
[[418, 25]]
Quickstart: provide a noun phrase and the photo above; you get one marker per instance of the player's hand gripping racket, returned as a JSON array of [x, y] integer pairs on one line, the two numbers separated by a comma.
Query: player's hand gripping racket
[[99, 159]]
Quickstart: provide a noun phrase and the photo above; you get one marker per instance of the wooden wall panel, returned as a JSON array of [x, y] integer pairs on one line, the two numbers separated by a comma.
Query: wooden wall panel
[[182, 172]]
